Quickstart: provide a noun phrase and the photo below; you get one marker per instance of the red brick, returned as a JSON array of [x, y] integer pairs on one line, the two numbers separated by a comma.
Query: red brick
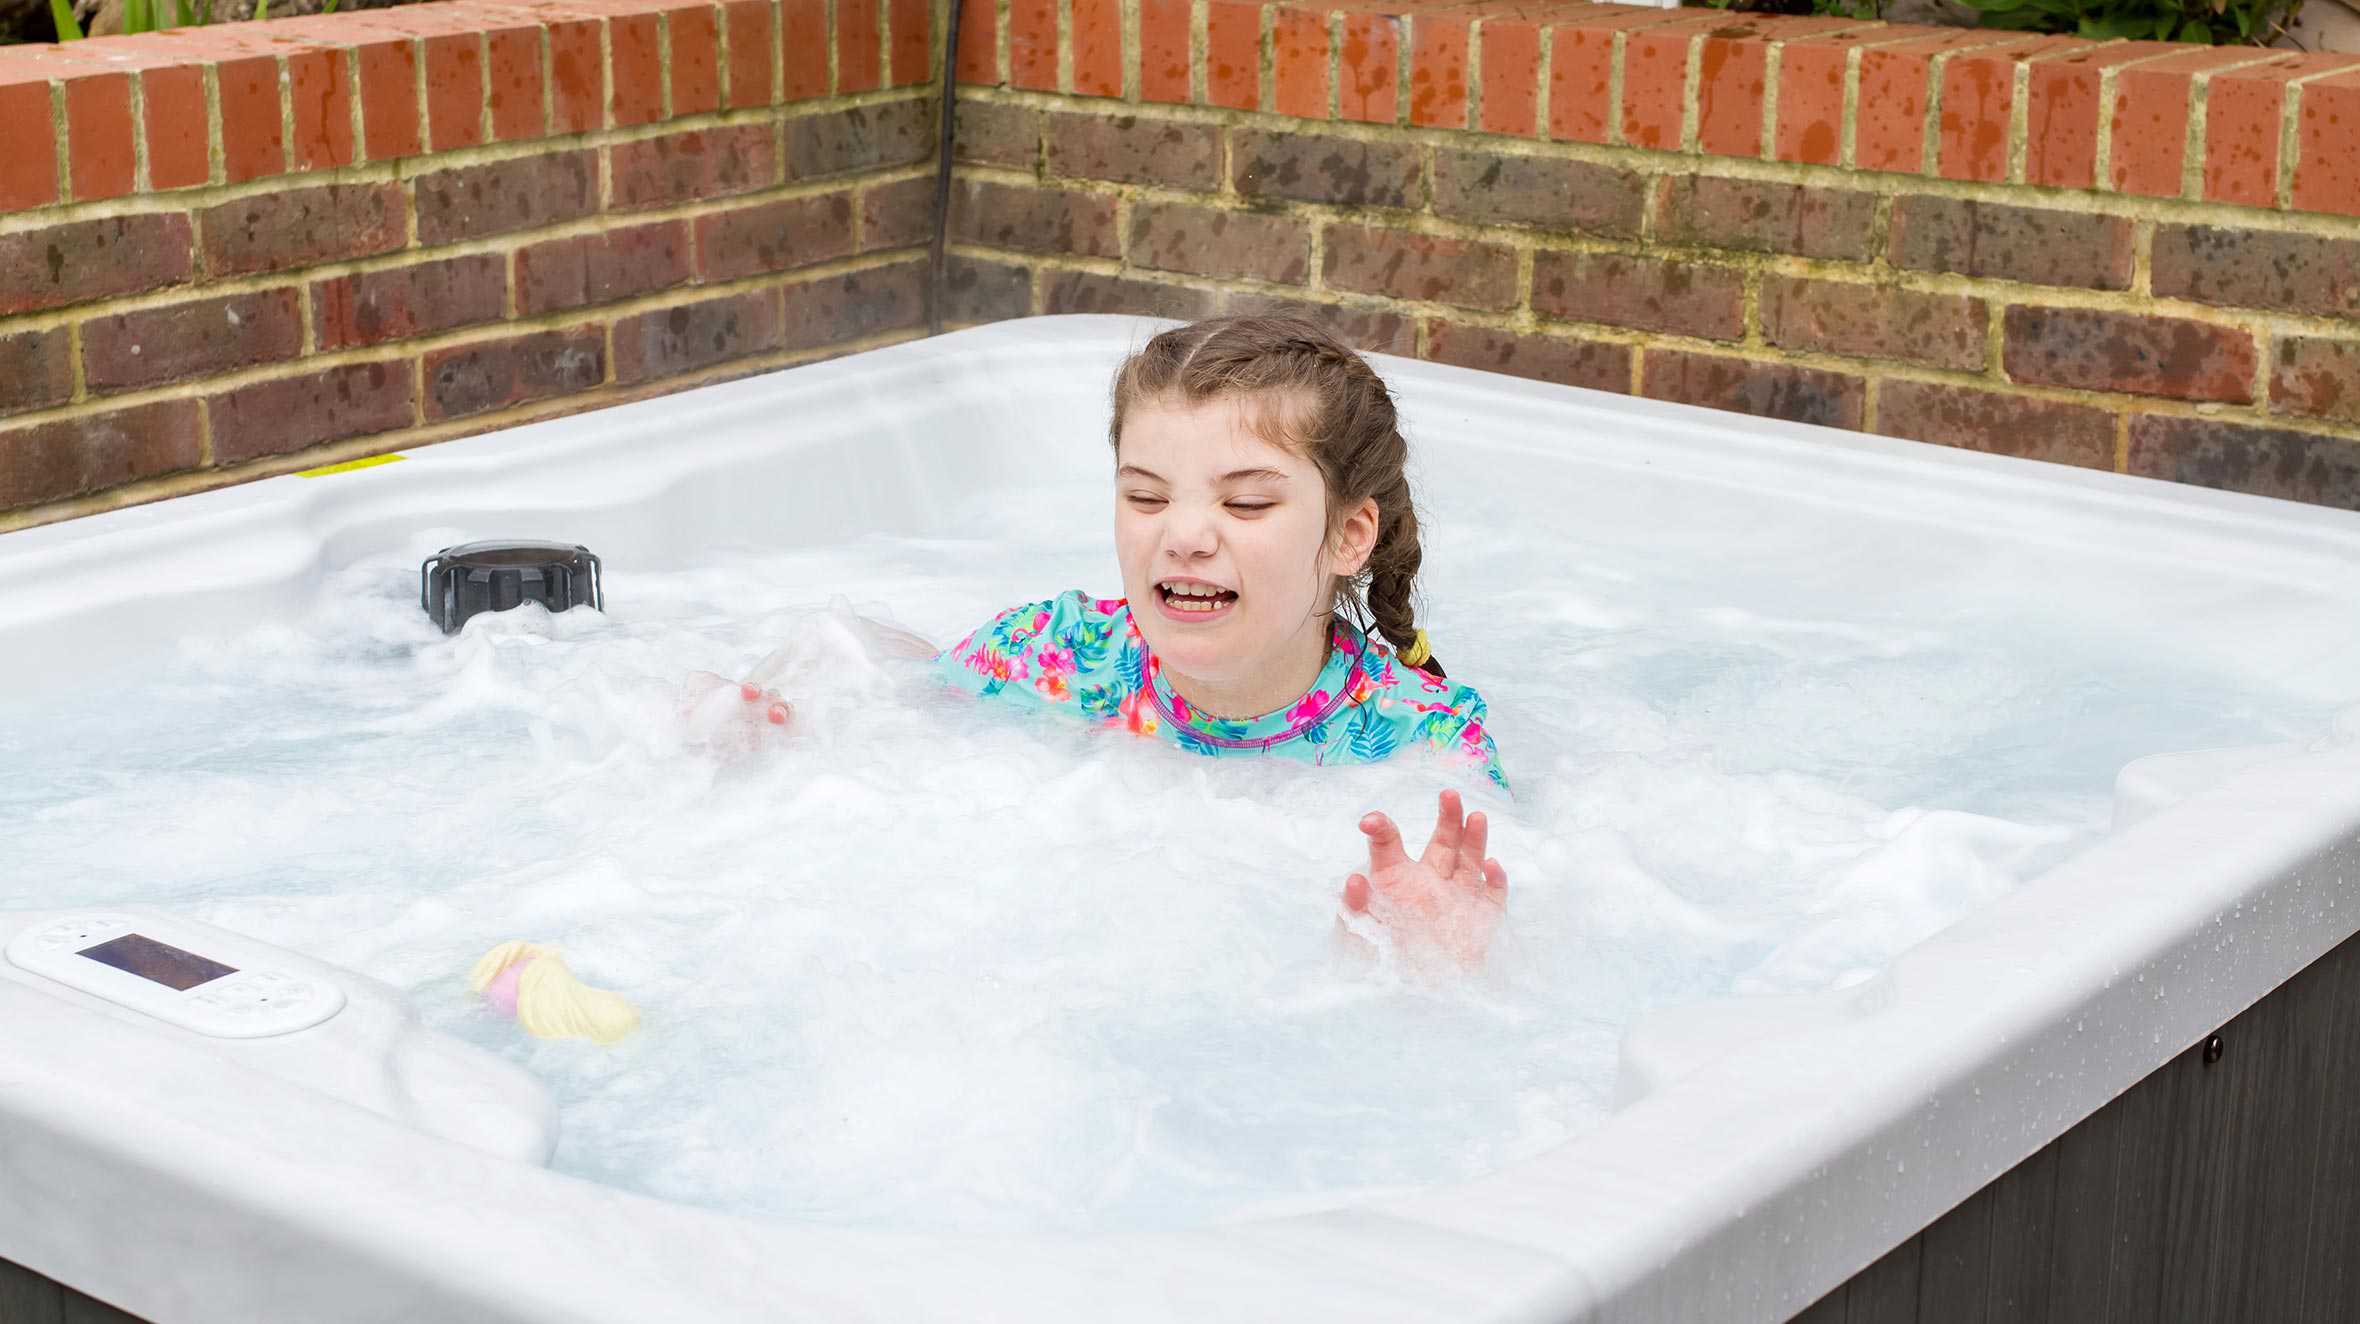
[[375, 307], [252, 142], [98, 136], [1757, 216], [179, 128], [84, 260], [2061, 106], [300, 227], [2327, 171], [1581, 69], [2242, 111], [28, 170], [609, 265], [1652, 294], [899, 214], [774, 236], [1299, 59], [1438, 71], [36, 369], [1163, 51], [1233, 55], [912, 55], [835, 310], [2258, 269], [877, 137], [2238, 457], [979, 49], [290, 413], [1895, 89], [1214, 241], [1396, 263], [636, 68], [2167, 356], [1366, 68], [319, 92], [1032, 44], [577, 77], [2148, 126], [1978, 97], [1811, 74], [199, 338], [1542, 191], [1996, 422], [1748, 386], [803, 40], [2316, 376], [52, 461], [1511, 76], [1591, 364], [860, 46], [1034, 220], [1377, 330], [454, 91], [974, 290], [2037, 245], [390, 123], [1655, 86], [470, 202], [695, 36], [1317, 167], [1097, 48], [1874, 321], [685, 337], [996, 134], [1090, 292], [1732, 73], [513, 71], [1125, 149], [750, 45], [698, 164], [501, 374]]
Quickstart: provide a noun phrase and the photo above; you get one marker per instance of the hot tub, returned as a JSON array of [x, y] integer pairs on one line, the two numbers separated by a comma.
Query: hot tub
[[1760, 1149]]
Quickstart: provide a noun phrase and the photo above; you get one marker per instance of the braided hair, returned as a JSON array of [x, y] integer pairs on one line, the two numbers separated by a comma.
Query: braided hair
[[1317, 398]]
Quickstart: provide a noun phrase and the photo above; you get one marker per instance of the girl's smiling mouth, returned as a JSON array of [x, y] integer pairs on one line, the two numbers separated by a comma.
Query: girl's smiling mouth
[[1193, 600]]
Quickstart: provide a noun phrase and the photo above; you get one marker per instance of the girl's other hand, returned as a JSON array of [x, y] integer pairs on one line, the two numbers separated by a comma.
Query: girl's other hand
[[733, 715], [1450, 898]]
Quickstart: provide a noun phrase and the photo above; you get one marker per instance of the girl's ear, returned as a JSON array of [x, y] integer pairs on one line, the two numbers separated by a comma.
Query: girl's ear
[[1357, 538]]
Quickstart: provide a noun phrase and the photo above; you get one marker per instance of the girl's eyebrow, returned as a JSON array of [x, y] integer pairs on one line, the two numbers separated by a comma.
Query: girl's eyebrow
[[1234, 476]]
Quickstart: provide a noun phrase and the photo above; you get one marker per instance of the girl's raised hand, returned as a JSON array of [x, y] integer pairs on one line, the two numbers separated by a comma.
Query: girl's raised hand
[[1450, 898], [732, 716]]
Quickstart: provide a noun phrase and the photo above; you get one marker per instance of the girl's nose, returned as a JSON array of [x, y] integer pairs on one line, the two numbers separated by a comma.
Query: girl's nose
[[1189, 537]]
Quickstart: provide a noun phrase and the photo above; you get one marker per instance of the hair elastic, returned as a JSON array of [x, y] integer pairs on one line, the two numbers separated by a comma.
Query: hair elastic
[[1418, 651]]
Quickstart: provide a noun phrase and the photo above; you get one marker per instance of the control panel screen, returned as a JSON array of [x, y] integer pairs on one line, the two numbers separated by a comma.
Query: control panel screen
[[157, 963]]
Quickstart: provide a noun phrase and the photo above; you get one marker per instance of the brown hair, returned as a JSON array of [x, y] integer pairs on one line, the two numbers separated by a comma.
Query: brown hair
[[1320, 400]]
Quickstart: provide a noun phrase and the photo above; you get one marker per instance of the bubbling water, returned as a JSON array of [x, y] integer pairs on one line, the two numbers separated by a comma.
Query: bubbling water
[[914, 961]]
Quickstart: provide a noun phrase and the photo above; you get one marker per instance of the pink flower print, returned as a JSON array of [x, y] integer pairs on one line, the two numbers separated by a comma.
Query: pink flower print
[[1040, 622], [1137, 713], [1051, 685], [1471, 737], [1310, 706], [1362, 687], [1180, 708], [1107, 606], [1054, 661], [1432, 685]]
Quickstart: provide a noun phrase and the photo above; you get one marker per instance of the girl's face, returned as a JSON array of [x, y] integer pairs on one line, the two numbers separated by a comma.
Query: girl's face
[[1224, 549]]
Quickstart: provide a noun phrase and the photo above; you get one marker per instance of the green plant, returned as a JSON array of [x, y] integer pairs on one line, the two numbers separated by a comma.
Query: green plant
[[151, 16], [2206, 22]]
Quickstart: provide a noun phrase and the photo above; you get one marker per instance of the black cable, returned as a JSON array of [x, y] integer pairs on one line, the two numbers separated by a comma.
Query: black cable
[[942, 171]]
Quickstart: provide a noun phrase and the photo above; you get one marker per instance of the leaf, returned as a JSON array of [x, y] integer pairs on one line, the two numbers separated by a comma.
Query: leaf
[[138, 16], [329, 8], [261, 10], [61, 12], [1372, 739]]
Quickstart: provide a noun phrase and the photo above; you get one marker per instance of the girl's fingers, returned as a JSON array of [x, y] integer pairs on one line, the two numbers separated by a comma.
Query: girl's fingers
[[1449, 826], [1495, 877], [1356, 894], [1384, 843], [748, 692], [778, 714], [1471, 845]]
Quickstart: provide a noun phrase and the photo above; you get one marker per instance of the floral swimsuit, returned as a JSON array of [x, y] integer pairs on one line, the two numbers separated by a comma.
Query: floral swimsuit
[[1085, 655]]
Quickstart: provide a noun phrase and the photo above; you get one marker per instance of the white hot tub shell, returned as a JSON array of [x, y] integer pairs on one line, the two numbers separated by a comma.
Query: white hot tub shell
[[1764, 1153]]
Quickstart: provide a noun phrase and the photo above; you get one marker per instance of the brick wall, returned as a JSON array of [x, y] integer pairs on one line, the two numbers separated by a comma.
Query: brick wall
[[261, 247], [239, 251]]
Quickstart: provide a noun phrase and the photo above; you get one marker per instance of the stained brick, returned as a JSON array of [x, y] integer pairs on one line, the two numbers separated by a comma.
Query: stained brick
[[803, 49], [1163, 50], [1097, 46], [2167, 356], [2062, 107], [1032, 44], [454, 90], [1308, 167], [1757, 216], [1366, 77], [1438, 70], [36, 369], [860, 46], [694, 40], [835, 309], [2317, 376], [2326, 176], [689, 167], [1811, 74], [98, 127], [1540, 191], [1978, 96], [392, 125], [70, 456], [290, 413], [685, 337], [253, 143], [977, 290], [1999, 422], [2243, 109], [897, 215], [1732, 74], [1090, 292], [750, 44], [1594, 364], [1403, 265], [1035, 220], [993, 133], [1233, 54], [1377, 330], [1895, 90], [861, 138], [774, 236], [577, 77], [2257, 269], [1132, 150], [636, 70], [1299, 63], [319, 94], [179, 131], [2275, 462], [502, 196], [2033, 244], [2148, 124], [979, 46], [28, 170], [1511, 76], [616, 263], [1652, 294], [512, 72], [1749, 386], [499, 374], [1655, 86], [371, 308], [1212, 241], [1874, 321], [199, 338]]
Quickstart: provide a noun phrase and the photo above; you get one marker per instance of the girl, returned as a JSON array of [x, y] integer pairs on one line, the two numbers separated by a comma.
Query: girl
[[1260, 502]]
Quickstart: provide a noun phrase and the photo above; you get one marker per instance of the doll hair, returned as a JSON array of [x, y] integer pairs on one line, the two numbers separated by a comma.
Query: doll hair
[[549, 1001]]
